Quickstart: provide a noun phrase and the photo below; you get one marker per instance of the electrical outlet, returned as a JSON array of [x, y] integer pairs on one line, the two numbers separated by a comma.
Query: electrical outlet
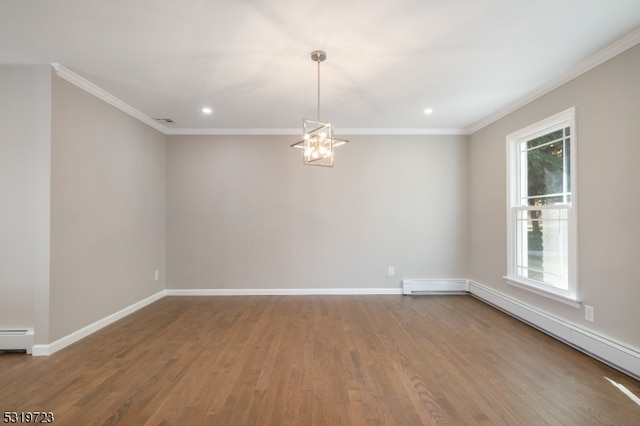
[[392, 271], [588, 313], [157, 275]]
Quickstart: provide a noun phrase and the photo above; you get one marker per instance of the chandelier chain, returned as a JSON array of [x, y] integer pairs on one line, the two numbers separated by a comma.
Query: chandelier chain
[[318, 91]]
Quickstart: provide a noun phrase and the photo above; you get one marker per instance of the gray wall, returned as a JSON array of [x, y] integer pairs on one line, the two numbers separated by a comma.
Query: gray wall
[[244, 212], [25, 111], [107, 212], [607, 101]]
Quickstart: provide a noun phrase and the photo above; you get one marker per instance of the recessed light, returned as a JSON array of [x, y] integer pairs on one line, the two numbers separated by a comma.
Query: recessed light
[[428, 111], [207, 110]]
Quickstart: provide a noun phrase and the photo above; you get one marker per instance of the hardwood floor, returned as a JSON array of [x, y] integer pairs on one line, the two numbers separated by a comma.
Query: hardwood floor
[[302, 360]]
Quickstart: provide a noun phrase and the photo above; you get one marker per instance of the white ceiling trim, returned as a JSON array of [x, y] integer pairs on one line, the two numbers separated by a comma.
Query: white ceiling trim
[[86, 85], [337, 132], [233, 132], [400, 132], [588, 64]]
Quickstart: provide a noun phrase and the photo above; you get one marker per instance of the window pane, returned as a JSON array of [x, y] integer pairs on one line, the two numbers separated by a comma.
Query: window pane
[[542, 246], [544, 139], [545, 200], [545, 170]]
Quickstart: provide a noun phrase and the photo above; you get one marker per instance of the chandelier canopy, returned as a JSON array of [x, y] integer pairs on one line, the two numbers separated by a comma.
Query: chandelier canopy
[[318, 141]]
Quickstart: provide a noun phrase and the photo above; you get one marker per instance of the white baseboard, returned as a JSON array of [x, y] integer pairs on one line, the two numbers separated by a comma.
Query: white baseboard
[[607, 350], [280, 291], [46, 350]]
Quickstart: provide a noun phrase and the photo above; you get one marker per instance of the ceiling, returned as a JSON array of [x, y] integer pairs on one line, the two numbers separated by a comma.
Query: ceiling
[[249, 60]]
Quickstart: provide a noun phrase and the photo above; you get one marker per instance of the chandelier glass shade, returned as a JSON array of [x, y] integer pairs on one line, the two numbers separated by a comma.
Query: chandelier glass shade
[[318, 141]]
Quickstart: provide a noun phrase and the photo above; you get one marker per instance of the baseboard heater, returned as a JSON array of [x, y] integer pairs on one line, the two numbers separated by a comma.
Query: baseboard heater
[[16, 340], [423, 286]]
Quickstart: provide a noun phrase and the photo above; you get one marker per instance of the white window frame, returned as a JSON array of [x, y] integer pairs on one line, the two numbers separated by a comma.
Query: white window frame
[[558, 121]]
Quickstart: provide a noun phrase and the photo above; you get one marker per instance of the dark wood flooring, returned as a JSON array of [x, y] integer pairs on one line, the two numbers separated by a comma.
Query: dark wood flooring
[[303, 360]]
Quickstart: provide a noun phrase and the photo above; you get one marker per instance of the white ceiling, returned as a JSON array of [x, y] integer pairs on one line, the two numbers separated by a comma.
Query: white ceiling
[[249, 60]]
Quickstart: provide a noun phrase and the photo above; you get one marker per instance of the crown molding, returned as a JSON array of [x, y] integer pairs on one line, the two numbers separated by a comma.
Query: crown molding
[[84, 84], [297, 132], [588, 64], [231, 132], [401, 131]]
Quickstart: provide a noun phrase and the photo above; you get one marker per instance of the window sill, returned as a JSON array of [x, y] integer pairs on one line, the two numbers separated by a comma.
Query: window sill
[[558, 297]]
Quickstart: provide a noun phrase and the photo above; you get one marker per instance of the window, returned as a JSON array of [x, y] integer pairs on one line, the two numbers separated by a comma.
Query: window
[[541, 212]]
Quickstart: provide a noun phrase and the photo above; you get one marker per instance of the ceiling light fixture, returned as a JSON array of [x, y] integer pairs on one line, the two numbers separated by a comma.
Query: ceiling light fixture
[[317, 137], [207, 110]]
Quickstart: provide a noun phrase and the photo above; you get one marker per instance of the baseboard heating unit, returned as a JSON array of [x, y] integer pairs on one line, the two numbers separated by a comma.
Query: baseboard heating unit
[[16, 340], [423, 286]]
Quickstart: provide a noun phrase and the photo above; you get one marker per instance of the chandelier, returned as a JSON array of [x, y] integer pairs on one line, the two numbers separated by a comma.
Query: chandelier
[[318, 141]]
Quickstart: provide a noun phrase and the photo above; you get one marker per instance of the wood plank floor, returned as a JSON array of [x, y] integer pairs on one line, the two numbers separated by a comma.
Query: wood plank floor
[[302, 360]]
